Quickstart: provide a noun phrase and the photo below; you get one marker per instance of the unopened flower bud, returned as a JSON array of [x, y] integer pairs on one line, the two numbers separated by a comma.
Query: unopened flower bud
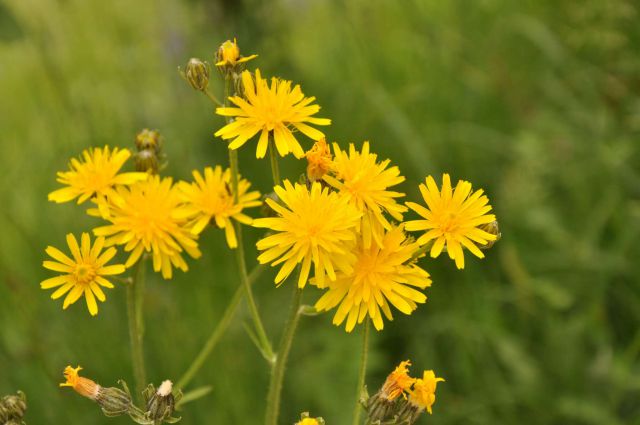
[[13, 408], [491, 228], [149, 140], [114, 401], [161, 403], [149, 157], [197, 74]]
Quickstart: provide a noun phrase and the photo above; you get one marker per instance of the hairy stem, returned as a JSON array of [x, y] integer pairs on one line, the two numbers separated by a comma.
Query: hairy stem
[[277, 371], [135, 304], [357, 411]]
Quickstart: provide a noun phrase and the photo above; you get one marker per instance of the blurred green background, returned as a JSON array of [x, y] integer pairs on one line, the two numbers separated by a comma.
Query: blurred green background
[[537, 102]]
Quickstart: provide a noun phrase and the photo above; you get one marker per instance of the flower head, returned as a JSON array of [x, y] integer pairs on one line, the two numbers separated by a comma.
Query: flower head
[[319, 160], [83, 386], [313, 226], [306, 420], [96, 173], [147, 219], [398, 382], [452, 218], [229, 54], [274, 111], [83, 273], [365, 181], [381, 275], [209, 199], [423, 394]]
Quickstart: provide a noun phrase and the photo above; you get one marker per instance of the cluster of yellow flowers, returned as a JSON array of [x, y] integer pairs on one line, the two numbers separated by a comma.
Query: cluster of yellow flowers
[[341, 225], [145, 214]]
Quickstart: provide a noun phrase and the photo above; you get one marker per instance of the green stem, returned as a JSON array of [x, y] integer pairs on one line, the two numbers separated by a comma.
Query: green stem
[[217, 332], [265, 345], [212, 97], [357, 411], [273, 156], [277, 371], [135, 303]]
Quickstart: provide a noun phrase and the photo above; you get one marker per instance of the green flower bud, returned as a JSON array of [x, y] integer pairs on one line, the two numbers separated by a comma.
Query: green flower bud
[[12, 408], [197, 74]]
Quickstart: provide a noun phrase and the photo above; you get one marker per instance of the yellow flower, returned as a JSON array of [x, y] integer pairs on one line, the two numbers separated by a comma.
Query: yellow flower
[[83, 386], [270, 110], [319, 160], [147, 219], [380, 274], [308, 421], [452, 218], [83, 274], [365, 181], [94, 174], [210, 198], [312, 226], [424, 391], [229, 54], [398, 382]]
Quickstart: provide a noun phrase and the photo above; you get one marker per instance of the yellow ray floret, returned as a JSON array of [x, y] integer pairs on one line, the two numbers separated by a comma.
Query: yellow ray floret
[[423, 394], [96, 173], [83, 272], [273, 111], [210, 199], [381, 275], [313, 226], [452, 218], [147, 219], [365, 181]]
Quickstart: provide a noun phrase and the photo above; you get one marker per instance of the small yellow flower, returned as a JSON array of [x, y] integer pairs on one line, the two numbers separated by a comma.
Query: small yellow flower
[[365, 181], [271, 111], [83, 274], [83, 386], [308, 421], [229, 54], [313, 226], [398, 382], [423, 394], [380, 274], [319, 160], [94, 174], [147, 219], [452, 218], [210, 198]]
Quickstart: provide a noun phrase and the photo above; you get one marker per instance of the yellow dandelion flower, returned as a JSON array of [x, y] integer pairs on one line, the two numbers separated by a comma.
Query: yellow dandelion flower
[[398, 382], [453, 218], [319, 160], [96, 173], [423, 394], [83, 274], [147, 219], [271, 110], [209, 199], [229, 54], [365, 181], [83, 386], [381, 275], [312, 226], [308, 421]]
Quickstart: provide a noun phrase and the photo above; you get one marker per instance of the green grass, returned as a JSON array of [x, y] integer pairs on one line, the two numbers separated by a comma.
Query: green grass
[[536, 102]]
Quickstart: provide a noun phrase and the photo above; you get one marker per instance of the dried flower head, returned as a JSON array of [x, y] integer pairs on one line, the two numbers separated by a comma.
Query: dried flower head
[[83, 386], [398, 382], [319, 160], [452, 219], [274, 112], [83, 274]]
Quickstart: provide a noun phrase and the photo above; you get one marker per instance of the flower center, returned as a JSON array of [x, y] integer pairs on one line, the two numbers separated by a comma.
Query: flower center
[[84, 273]]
